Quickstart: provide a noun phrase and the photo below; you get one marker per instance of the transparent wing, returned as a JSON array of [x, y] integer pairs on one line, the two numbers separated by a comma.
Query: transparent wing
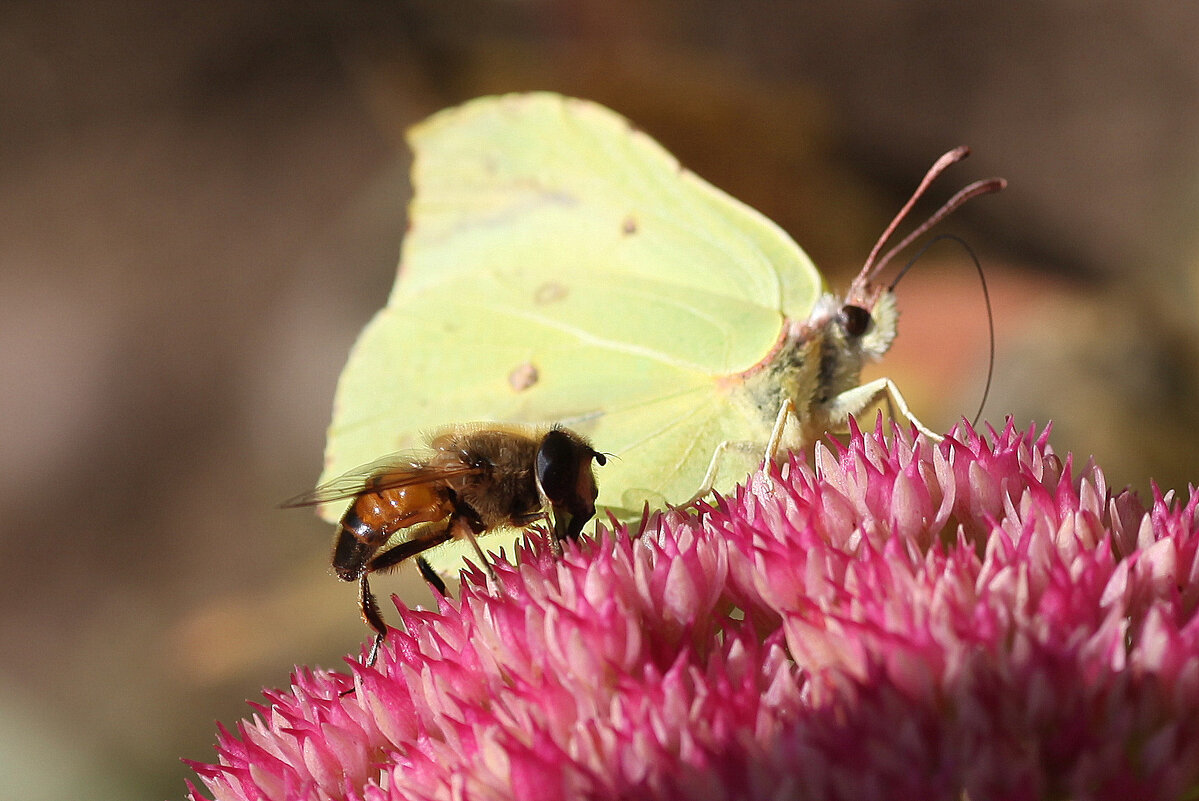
[[389, 472]]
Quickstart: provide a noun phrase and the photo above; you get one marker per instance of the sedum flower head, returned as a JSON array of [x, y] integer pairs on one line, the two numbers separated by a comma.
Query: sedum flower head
[[968, 619]]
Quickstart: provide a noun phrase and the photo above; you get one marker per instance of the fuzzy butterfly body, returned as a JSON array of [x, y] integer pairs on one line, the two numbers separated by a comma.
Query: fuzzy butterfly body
[[561, 267]]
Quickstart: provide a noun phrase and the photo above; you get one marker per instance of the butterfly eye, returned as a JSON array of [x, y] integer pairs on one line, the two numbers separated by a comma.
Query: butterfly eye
[[854, 319]]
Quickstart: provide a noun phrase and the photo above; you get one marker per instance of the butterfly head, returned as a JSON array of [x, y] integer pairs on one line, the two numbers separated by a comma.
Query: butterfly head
[[847, 333], [864, 322], [860, 327], [866, 317], [868, 325]]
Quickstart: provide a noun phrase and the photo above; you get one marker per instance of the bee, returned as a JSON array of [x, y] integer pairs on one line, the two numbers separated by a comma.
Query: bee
[[474, 478]]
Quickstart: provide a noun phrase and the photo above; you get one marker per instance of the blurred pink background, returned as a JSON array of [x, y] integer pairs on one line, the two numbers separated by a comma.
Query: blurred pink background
[[201, 205]]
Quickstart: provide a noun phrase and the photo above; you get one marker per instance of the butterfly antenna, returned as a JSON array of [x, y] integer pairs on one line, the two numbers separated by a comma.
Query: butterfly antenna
[[953, 204], [982, 277], [873, 263], [941, 164]]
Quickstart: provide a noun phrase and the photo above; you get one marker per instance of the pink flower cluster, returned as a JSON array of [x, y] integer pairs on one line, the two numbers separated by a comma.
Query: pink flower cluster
[[961, 620]]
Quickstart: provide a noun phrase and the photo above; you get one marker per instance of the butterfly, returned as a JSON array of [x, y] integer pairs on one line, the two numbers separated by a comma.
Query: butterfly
[[561, 268]]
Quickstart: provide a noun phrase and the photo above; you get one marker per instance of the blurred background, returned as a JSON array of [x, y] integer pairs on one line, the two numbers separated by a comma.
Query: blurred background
[[202, 203]]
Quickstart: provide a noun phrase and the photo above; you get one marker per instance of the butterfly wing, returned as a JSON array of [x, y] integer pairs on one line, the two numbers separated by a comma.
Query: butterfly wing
[[560, 266]]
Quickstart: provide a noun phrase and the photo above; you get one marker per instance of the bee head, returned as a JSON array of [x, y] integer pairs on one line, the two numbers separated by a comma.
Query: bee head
[[566, 480]]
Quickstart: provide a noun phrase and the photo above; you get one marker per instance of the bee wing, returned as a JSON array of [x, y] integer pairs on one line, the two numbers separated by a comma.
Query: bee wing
[[403, 469]]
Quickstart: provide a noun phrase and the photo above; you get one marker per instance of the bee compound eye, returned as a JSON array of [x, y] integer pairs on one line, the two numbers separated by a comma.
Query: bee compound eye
[[854, 319], [557, 465]]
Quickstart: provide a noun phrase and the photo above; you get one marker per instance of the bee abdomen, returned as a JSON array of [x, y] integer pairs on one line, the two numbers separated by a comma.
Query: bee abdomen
[[350, 555], [366, 530], [356, 540]]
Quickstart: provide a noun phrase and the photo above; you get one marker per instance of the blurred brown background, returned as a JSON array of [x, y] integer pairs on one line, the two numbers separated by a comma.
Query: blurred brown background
[[201, 204]]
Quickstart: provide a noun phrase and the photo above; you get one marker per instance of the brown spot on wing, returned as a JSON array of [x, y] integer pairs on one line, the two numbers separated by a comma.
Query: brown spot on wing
[[550, 292], [523, 376]]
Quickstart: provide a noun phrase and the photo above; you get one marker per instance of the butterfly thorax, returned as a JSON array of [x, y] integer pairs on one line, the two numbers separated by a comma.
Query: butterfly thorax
[[817, 360], [842, 352]]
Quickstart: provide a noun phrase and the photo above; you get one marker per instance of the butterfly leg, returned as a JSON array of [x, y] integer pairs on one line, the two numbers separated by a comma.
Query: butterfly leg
[[722, 450], [784, 418], [881, 391], [786, 413]]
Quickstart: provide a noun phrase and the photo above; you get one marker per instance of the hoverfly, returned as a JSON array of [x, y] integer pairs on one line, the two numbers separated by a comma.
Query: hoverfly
[[473, 478]]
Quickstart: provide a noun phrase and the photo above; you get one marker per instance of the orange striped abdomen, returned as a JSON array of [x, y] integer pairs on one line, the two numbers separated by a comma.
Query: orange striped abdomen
[[374, 517]]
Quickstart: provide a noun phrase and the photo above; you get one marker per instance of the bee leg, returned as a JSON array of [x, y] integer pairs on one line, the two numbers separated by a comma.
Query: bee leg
[[430, 575], [371, 616], [367, 602], [408, 549], [555, 541], [465, 522]]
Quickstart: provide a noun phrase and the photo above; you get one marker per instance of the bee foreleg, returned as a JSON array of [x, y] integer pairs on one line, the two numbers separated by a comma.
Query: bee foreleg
[[881, 391], [555, 542]]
